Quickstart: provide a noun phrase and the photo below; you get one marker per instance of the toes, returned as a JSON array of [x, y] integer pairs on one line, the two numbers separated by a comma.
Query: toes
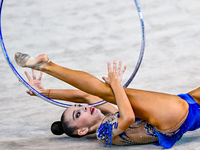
[[21, 59]]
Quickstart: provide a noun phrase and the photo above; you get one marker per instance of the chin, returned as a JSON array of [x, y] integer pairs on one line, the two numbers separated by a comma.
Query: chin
[[97, 112]]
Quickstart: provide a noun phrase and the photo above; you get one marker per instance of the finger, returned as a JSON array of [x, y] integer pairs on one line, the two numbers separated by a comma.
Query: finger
[[105, 79], [119, 67], [29, 92], [109, 67], [114, 66], [33, 74], [123, 70], [27, 75], [40, 77]]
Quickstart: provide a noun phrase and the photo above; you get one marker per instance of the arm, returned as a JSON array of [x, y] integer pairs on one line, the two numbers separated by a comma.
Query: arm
[[127, 116], [78, 96], [70, 95]]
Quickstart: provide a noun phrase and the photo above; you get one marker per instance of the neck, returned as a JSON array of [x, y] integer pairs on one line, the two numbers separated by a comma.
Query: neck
[[96, 126]]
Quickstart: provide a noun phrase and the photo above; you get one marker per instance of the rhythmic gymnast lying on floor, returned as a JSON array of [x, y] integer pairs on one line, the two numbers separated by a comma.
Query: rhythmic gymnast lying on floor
[[168, 116]]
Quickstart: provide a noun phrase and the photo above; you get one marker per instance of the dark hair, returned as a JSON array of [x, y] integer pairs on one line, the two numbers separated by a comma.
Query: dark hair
[[60, 127]]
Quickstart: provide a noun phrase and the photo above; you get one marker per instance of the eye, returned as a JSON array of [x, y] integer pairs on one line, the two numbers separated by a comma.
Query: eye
[[78, 115], [79, 105]]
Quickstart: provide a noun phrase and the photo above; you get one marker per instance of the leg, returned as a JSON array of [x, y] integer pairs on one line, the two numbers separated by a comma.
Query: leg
[[195, 95], [78, 79], [161, 110]]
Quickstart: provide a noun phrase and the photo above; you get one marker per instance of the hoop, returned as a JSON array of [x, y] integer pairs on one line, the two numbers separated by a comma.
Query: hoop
[[68, 105]]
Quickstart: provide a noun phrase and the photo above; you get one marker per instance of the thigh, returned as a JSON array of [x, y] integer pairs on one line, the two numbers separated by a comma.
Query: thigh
[[161, 110], [195, 95]]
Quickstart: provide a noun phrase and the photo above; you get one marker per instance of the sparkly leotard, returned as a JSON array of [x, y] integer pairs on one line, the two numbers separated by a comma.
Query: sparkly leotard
[[140, 132]]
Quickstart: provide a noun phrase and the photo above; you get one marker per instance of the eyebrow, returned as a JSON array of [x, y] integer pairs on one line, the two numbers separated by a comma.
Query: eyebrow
[[73, 115]]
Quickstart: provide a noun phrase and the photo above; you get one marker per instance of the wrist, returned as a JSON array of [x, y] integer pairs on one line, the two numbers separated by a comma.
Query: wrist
[[46, 92], [115, 82], [48, 95]]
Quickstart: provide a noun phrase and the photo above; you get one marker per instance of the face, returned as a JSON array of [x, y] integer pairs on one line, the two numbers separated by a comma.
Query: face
[[82, 116]]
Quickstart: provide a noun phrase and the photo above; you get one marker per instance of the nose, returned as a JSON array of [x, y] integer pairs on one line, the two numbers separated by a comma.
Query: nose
[[84, 108]]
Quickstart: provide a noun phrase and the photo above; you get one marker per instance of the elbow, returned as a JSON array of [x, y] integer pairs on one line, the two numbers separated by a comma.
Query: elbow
[[130, 120], [126, 122]]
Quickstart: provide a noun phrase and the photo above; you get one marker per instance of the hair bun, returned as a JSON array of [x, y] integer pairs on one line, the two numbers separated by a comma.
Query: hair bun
[[56, 128]]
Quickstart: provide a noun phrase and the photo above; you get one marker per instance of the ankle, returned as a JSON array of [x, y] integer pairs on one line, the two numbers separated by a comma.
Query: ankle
[[42, 58], [45, 67]]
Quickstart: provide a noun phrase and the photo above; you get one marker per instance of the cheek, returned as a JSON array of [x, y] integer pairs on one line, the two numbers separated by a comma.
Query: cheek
[[83, 120]]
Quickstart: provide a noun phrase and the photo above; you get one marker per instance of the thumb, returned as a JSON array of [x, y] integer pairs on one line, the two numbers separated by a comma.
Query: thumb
[[105, 78], [29, 92]]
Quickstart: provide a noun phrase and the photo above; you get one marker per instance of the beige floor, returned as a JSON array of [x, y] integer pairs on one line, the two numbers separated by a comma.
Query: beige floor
[[84, 35]]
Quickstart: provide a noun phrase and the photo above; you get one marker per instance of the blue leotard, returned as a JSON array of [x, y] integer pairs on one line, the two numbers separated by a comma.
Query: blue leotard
[[191, 123]]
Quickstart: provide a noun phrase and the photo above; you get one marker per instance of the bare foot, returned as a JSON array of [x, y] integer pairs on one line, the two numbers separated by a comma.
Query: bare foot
[[24, 60]]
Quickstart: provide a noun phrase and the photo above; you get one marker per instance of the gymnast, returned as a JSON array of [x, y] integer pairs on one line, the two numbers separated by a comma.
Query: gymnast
[[168, 116], [138, 132]]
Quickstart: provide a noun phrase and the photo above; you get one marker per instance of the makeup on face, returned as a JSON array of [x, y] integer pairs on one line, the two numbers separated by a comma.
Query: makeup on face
[[77, 113], [92, 109]]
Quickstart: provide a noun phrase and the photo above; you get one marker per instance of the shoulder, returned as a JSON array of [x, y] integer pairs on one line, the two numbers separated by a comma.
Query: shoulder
[[108, 129]]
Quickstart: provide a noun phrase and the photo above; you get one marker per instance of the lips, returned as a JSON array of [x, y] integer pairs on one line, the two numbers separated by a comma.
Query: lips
[[92, 110]]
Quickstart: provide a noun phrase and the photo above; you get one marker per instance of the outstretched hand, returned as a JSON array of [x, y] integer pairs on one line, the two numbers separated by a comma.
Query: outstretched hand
[[35, 83], [115, 73]]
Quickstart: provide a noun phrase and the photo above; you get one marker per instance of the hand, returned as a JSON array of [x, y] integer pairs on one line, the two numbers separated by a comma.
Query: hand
[[35, 83], [115, 74]]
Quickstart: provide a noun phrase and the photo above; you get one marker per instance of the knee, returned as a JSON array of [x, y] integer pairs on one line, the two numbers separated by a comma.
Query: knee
[[195, 94]]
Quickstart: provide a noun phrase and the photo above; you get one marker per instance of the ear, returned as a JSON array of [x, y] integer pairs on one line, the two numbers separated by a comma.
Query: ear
[[83, 131]]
